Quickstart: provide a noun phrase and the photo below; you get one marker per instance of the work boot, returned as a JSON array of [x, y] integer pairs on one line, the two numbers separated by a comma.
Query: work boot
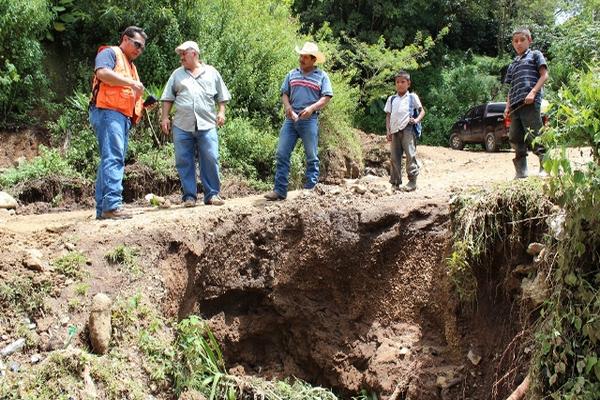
[[411, 186], [274, 196], [520, 167], [117, 213]]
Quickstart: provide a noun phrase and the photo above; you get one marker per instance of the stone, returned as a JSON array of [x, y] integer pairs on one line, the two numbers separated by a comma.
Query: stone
[[100, 326], [534, 248], [7, 201], [70, 246], [358, 189], [474, 357], [15, 346], [36, 358], [35, 264], [14, 366]]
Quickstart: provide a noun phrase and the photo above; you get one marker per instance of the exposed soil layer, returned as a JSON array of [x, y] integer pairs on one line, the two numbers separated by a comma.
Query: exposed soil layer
[[344, 290]]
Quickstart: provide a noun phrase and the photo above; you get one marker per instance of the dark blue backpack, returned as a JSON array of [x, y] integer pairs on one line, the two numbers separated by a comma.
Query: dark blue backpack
[[413, 112]]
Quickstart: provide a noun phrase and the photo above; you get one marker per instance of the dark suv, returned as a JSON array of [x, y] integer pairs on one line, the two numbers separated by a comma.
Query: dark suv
[[483, 124]]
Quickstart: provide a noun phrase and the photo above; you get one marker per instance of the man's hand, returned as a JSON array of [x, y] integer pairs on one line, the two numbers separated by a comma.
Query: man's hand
[[165, 125], [138, 88], [530, 97], [388, 136], [306, 113], [220, 119], [289, 112]]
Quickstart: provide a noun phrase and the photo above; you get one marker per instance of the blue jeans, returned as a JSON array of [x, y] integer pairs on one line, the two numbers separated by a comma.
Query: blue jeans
[[308, 131], [205, 144], [111, 129]]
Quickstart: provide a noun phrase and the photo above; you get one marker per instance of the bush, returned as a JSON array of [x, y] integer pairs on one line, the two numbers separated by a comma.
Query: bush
[[49, 162], [23, 83], [461, 84]]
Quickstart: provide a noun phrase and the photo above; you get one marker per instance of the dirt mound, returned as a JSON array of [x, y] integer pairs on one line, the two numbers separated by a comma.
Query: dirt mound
[[20, 145]]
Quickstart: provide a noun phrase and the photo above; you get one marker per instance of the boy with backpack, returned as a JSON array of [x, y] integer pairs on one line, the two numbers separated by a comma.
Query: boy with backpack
[[404, 114]]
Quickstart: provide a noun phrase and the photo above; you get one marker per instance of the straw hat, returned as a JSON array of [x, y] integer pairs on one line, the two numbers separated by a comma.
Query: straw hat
[[312, 49]]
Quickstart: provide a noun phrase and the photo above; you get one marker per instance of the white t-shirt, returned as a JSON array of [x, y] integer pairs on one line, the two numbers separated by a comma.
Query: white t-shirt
[[399, 110]]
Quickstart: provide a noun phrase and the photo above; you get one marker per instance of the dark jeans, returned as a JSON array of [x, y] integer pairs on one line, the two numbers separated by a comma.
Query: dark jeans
[[525, 125]]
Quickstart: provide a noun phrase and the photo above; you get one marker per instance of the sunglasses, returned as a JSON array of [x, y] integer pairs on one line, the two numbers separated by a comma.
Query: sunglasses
[[138, 45]]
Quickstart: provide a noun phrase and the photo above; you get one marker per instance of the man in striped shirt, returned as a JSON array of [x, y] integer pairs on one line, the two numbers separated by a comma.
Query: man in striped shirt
[[304, 92], [526, 76]]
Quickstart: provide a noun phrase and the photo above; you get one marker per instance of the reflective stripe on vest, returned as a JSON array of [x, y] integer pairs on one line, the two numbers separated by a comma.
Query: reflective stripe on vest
[[119, 98]]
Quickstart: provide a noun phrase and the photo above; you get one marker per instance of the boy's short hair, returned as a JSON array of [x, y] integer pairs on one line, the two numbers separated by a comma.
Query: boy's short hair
[[402, 74], [522, 31]]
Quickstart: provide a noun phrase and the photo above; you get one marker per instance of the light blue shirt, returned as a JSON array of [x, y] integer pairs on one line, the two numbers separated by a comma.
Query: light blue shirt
[[195, 98], [306, 89]]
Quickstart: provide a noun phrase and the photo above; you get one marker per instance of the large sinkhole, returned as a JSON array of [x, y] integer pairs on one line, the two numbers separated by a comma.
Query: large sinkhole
[[348, 299]]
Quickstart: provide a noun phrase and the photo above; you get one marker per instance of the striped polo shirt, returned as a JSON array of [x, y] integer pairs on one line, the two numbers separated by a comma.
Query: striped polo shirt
[[522, 75], [306, 89]]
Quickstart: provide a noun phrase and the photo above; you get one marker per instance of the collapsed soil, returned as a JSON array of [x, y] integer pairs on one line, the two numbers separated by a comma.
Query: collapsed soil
[[344, 290]]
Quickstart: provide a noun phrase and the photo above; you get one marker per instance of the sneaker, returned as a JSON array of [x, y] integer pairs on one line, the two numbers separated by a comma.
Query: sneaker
[[117, 213], [215, 200], [411, 186], [274, 196], [189, 203]]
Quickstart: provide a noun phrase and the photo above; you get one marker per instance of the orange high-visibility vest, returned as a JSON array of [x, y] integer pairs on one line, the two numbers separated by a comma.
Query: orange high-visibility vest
[[118, 98]]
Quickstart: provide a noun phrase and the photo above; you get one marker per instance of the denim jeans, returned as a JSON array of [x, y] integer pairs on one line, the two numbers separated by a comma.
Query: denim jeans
[[404, 142], [204, 144], [111, 129], [525, 125], [308, 131]]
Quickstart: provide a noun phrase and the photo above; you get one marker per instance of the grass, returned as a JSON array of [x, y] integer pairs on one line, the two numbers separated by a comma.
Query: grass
[[509, 213], [71, 265], [22, 294], [126, 257]]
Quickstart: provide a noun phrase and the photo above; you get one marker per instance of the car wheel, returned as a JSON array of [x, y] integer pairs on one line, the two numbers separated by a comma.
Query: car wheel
[[491, 144], [455, 142]]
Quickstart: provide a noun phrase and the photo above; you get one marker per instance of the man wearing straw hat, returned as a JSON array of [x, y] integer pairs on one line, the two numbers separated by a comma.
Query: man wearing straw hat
[[305, 91]]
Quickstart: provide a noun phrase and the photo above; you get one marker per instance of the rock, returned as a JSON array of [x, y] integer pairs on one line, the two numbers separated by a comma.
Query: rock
[[14, 366], [35, 264], [70, 246], [359, 189], [536, 289], [7, 201], [534, 248], [100, 323], [15, 346], [31, 326], [474, 357], [33, 253], [64, 321], [192, 395], [36, 358]]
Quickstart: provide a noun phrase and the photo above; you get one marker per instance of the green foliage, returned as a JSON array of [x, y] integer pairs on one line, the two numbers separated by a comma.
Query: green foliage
[[71, 265], [247, 150], [464, 82], [126, 257], [49, 162], [566, 365], [510, 213], [24, 294], [72, 132], [577, 45], [23, 84]]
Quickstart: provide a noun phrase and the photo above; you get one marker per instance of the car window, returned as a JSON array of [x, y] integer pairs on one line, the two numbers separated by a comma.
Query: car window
[[476, 112], [496, 108]]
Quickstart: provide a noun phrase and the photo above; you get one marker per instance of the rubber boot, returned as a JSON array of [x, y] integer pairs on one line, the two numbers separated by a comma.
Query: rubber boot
[[520, 167], [411, 186], [542, 173]]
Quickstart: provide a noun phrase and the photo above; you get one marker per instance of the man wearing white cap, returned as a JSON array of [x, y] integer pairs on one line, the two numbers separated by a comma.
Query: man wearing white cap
[[304, 92], [196, 89]]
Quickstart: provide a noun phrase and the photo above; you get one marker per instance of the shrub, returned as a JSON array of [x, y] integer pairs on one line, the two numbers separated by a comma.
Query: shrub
[[23, 84], [49, 162]]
